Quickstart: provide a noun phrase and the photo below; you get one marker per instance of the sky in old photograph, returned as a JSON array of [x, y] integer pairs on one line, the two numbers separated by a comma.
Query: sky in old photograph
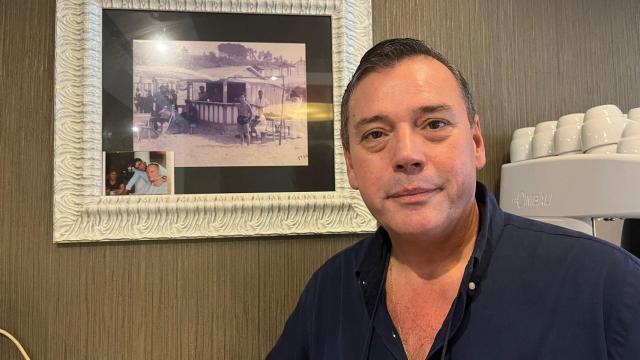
[[290, 52]]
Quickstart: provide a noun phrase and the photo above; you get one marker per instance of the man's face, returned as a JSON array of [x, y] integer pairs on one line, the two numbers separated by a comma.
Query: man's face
[[260, 94], [140, 165], [153, 173], [243, 99], [413, 154]]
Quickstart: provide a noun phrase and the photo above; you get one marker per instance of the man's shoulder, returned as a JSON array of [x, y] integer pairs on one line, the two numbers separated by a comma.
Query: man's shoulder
[[334, 282], [596, 282], [549, 240], [344, 261]]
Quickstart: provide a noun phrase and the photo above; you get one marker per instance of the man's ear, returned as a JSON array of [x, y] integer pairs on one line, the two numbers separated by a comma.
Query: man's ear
[[349, 163], [480, 156]]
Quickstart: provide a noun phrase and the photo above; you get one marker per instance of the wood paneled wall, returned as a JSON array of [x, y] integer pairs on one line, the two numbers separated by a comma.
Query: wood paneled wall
[[527, 61]]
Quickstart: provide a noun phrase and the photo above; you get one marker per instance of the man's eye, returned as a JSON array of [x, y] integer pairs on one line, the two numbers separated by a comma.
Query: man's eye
[[375, 134], [436, 124]]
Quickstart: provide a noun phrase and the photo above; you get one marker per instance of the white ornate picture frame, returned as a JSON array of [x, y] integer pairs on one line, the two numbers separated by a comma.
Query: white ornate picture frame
[[82, 213]]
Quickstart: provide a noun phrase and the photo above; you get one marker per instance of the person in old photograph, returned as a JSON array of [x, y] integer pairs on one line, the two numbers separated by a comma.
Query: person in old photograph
[[202, 94], [147, 101], [140, 179], [244, 117], [158, 184], [182, 121], [163, 108], [138, 101], [173, 98], [114, 184], [258, 120], [448, 274]]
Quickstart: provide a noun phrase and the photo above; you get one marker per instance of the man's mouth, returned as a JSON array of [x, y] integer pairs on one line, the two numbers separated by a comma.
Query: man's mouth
[[413, 192]]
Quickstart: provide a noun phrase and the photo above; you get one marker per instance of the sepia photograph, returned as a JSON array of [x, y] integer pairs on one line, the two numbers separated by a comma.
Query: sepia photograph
[[138, 173], [221, 104], [245, 102]]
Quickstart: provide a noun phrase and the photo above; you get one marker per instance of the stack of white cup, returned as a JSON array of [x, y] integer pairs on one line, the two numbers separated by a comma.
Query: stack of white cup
[[521, 144], [543, 139], [568, 138], [630, 140], [602, 129]]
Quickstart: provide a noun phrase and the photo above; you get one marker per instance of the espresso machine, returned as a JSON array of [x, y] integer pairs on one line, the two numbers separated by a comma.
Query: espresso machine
[[595, 192]]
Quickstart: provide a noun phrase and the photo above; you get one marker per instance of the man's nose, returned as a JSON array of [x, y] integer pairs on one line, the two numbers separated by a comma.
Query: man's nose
[[408, 155]]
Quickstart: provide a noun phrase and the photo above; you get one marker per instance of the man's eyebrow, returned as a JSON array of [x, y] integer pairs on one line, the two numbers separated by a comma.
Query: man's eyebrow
[[368, 120], [423, 110], [430, 109]]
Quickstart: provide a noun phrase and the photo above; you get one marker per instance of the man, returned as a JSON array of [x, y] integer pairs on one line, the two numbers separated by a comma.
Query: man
[[162, 108], [448, 275], [202, 94], [260, 103], [140, 178], [158, 184], [244, 116], [138, 101], [147, 103]]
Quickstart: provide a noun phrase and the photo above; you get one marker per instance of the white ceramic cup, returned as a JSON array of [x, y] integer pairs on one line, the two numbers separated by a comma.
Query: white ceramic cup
[[520, 149], [542, 144], [522, 133], [543, 137], [603, 149], [545, 126], [631, 129], [570, 120], [602, 111], [629, 145], [634, 114], [602, 131], [568, 140]]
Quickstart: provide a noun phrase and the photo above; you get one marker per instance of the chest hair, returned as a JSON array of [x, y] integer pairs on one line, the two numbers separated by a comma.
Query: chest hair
[[418, 307]]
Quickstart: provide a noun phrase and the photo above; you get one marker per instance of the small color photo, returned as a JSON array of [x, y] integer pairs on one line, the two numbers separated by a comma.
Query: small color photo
[[138, 173]]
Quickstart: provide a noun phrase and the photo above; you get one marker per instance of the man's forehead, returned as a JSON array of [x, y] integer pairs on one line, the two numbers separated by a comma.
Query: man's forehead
[[420, 68], [412, 83]]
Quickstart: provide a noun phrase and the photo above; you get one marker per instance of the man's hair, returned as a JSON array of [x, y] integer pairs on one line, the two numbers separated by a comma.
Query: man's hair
[[133, 164], [153, 164], [387, 54]]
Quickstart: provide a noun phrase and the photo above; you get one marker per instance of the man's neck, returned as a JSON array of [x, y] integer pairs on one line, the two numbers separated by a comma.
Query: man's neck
[[431, 257]]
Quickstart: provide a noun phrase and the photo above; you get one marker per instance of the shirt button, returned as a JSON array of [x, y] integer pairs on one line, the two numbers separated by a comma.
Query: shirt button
[[394, 335], [472, 285], [364, 283]]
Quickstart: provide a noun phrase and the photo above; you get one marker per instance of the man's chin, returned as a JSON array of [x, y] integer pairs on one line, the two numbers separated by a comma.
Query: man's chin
[[415, 225]]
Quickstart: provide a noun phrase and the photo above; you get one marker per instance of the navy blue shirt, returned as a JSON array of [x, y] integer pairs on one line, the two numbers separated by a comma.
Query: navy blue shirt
[[530, 291]]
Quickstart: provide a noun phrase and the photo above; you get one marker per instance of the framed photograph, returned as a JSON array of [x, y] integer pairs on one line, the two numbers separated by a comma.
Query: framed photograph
[[206, 118]]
